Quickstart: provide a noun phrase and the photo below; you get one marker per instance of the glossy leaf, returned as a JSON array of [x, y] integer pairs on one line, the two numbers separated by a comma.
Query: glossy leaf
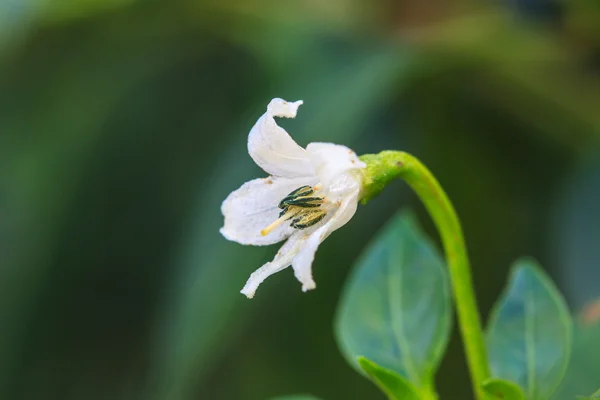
[[502, 390], [396, 308], [392, 384], [296, 397], [529, 334]]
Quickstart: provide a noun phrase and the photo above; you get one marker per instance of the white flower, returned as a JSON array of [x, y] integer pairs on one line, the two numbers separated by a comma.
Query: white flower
[[311, 192]]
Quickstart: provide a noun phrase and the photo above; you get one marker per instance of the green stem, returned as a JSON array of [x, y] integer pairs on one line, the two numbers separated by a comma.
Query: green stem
[[388, 165]]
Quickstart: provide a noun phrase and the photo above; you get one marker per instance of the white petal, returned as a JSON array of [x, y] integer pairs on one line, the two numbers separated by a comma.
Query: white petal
[[302, 263], [282, 260], [272, 148], [253, 207], [330, 160]]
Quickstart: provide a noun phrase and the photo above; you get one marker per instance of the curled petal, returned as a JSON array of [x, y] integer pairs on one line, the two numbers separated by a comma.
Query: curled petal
[[282, 260], [272, 148], [331, 160], [302, 263], [253, 207]]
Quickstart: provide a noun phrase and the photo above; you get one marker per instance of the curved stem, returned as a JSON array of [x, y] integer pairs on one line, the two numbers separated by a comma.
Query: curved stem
[[388, 165]]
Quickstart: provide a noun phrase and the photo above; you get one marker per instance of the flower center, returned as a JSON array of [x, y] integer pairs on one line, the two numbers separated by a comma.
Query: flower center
[[302, 207]]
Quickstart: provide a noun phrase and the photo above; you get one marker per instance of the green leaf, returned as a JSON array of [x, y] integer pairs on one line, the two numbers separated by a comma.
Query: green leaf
[[582, 375], [501, 389], [296, 397], [392, 384], [396, 307], [529, 334]]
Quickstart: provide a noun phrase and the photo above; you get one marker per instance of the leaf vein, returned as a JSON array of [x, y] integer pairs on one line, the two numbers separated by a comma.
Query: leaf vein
[[395, 299]]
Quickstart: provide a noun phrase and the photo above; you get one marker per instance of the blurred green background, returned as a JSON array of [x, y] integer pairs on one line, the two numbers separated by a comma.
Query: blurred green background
[[123, 126]]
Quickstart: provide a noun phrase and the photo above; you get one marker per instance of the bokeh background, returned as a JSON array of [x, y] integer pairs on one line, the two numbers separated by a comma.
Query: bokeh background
[[123, 126]]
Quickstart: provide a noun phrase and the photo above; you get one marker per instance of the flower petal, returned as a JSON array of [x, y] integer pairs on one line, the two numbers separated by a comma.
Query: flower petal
[[253, 207], [272, 148], [282, 260], [330, 160], [302, 263]]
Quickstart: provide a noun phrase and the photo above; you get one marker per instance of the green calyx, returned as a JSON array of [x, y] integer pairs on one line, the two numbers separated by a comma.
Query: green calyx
[[381, 169]]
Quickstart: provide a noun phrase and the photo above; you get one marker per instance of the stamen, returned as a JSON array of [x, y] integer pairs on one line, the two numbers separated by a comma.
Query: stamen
[[307, 219], [302, 206], [305, 202], [300, 192]]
